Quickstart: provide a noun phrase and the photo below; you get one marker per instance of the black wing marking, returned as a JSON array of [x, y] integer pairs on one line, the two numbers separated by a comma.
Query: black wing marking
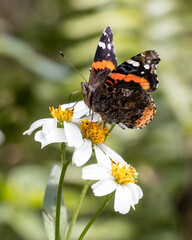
[[105, 60], [144, 66]]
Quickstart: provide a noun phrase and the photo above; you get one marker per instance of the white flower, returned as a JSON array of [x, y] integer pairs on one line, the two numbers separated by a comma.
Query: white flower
[[118, 177], [63, 127], [93, 137]]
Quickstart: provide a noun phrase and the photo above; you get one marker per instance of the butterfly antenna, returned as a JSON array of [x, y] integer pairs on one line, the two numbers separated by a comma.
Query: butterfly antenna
[[61, 53], [77, 98]]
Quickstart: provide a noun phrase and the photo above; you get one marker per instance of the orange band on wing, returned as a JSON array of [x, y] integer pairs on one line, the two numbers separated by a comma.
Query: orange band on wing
[[148, 114], [104, 64], [131, 77]]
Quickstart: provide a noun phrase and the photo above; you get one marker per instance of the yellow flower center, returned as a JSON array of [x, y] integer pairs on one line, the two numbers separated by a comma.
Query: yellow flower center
[[62, 115], [125, 174], [93, 131]]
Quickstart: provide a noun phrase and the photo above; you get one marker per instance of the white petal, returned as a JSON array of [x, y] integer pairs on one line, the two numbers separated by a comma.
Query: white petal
[[36, 124], [104, 186], [67, 105], [127, 196], [96, 117], [111, 153], [55, 136], [95, 172], [80, 108], [82, 154], [92, 117], [136, 192], [121, 204], [76, 121], [73, 134], [101, 157], [50, 125]]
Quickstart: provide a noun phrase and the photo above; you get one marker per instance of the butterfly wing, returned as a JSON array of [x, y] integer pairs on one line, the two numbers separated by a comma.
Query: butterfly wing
[[122, 106], [123, 98], [104, 61], [138, 72]]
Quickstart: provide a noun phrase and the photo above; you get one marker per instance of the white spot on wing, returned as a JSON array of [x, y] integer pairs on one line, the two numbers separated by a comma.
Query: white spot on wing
[[102, 45], [134, 63], [146, 66], [109, 46], [142, 72], [108, 54]]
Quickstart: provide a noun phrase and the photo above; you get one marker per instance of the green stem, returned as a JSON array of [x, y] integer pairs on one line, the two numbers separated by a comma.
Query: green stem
[[106, 201], [112, 126], [75, 214], [59, 191], [63, 157]]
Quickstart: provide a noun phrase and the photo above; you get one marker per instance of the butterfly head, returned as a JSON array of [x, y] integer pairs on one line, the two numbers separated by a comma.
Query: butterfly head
[[87, 93]]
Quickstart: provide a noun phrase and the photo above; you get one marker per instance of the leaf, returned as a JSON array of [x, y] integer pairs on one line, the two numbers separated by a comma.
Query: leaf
[[49, 206]]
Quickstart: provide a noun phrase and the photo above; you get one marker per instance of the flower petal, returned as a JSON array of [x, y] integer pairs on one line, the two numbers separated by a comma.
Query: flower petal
[[92, 117], [104, 186], [122, 203], [49, 125], [55, 136], [69, 105], [101, 157], [95, 172], [82, 154], [136, 192], [127, 196], [73, 134], [36, 124], [111, 153], [80, 108]]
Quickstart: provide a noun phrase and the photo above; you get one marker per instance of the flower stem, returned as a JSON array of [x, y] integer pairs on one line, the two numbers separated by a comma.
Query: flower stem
[[75, 214], [63, 157], [59, 191], [105, 203], [112, 126]]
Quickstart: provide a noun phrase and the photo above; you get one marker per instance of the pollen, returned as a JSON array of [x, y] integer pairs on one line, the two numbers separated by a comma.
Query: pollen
[[93, 131], [124, 175], [62, 115]]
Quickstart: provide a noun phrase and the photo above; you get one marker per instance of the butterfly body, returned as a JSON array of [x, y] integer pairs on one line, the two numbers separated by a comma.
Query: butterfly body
[[119, 93]]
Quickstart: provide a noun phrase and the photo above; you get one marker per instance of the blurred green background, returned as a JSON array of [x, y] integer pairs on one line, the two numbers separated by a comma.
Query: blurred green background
[[33, 76]]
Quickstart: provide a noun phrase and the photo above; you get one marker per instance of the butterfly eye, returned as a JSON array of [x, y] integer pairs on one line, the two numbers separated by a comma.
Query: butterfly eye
[[90, 69]]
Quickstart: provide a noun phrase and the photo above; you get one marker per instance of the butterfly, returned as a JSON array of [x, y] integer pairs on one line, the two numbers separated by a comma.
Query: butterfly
[[119, 93]]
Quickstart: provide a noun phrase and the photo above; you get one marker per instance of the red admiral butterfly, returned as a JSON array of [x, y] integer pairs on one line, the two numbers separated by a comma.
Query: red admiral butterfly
[[119, 93]]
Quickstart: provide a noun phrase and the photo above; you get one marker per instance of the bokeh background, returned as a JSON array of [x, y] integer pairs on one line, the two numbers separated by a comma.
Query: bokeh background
[[33, 76]]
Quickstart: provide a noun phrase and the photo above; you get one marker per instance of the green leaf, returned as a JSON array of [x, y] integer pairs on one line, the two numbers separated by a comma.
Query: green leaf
[[49, 206]]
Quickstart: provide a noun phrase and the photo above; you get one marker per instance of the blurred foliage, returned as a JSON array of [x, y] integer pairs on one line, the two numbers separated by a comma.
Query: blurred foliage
[[34, 77]]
